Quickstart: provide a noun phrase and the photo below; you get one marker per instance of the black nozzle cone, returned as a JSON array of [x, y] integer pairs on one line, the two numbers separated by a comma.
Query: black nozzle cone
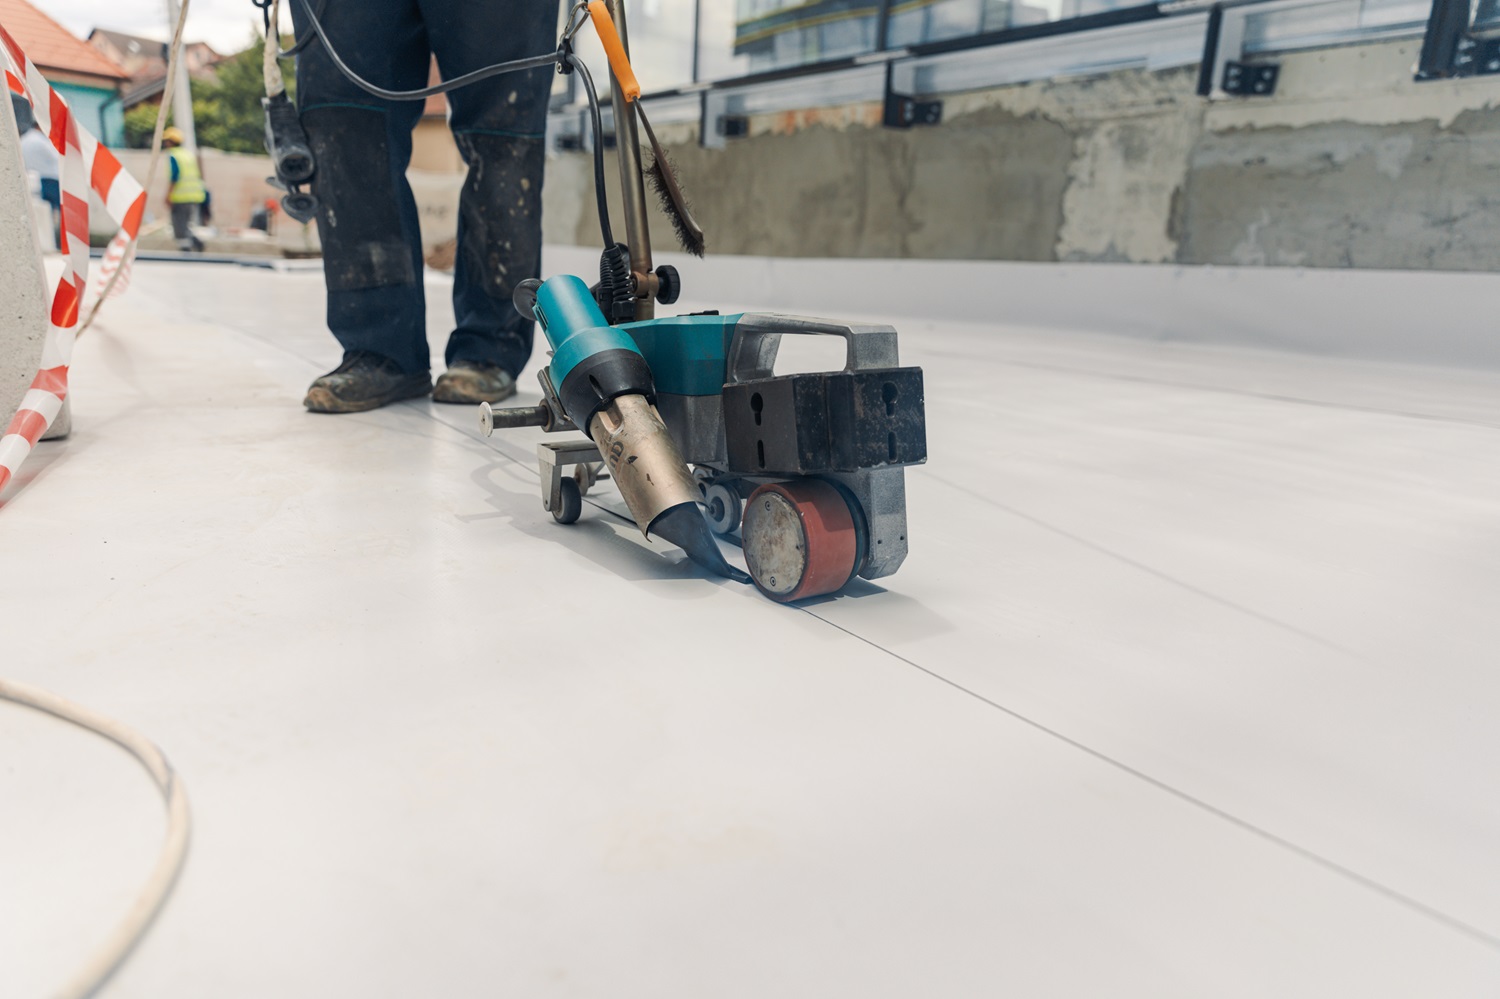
[[684, 526]]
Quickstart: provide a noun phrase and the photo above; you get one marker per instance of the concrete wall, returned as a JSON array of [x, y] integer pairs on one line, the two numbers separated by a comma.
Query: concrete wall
[[237, 181], [1350, 163], [24, 304]]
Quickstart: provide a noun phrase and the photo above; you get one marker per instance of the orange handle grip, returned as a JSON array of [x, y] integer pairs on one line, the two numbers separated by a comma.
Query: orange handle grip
[[619, 62]]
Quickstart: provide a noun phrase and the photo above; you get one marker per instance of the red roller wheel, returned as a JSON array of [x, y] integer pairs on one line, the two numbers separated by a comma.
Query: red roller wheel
[[799, 539]]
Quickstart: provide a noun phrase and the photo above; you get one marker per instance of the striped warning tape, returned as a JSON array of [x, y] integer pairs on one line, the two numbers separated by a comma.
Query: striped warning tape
[[86, 165], [117, 257]]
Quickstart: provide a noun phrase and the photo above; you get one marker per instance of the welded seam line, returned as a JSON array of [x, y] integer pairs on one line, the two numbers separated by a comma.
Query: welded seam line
[[1247, 393], [494, 445], [1349, 874], [431, 415], [1143, 567]]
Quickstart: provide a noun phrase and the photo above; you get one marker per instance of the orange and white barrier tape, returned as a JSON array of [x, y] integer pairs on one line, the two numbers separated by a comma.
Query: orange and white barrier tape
[[118, 257], [86, 165]]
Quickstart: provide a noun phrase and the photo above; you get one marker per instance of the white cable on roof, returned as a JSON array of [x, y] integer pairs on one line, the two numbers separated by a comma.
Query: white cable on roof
[[112, 953]]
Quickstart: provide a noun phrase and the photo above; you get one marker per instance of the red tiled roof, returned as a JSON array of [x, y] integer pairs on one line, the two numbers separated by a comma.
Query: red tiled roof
[[51, 46]]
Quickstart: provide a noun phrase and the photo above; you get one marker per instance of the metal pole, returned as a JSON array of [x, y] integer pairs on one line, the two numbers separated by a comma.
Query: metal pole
[[182, 95], [883, 26], [698, 30], [632, 184]]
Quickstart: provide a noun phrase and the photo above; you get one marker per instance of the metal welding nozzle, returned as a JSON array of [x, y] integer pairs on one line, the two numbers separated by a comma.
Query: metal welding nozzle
[[605, 387], [648, 468]]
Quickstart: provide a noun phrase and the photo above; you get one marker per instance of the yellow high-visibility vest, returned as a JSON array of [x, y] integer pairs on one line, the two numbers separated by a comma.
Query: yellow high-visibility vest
[[188, 189]]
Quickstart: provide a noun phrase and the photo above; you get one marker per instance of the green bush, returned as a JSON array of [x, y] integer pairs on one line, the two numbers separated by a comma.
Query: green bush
[[226, 114], [140, 123]]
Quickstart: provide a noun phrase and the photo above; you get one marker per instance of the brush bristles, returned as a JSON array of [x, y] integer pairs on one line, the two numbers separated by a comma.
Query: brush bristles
[[689, 240]]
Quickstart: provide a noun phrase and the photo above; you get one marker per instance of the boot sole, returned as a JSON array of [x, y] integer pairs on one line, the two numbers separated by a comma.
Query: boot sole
[[447, 392], [320, 400]]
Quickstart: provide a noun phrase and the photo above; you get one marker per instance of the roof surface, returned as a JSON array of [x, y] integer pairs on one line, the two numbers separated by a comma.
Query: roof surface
[[1187, 688], [51, 46]]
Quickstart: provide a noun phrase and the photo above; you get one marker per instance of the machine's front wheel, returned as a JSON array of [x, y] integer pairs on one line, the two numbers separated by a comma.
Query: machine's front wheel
[[722, 506], [571, 506], [800, 539]]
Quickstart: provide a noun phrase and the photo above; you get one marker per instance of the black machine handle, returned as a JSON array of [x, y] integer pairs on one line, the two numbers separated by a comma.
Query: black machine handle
[[757, 340]]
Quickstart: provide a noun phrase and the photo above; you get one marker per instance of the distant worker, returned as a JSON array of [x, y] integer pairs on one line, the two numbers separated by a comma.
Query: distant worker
[[264, 217], [41, 159], [367, 216], [185, 191]]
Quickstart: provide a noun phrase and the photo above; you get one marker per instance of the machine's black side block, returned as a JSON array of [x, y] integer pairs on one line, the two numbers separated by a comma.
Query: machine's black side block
[[837, 421]]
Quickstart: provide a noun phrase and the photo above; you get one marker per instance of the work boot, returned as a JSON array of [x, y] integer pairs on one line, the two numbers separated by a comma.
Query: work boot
[[364, 381], [471, 382]]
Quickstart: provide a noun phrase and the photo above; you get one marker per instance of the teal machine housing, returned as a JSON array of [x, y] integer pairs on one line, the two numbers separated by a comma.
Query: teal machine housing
[[679, 363], [689, 357], [832, 439]]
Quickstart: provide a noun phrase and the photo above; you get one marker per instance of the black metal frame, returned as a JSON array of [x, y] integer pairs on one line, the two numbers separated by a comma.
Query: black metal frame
[[1149, 11]]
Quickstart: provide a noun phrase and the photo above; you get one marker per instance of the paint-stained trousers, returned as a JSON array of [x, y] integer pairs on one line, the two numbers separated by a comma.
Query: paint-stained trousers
[[367, 217]]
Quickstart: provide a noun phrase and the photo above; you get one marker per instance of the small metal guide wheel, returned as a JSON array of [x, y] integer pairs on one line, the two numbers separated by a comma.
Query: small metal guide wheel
[[571, 507], [722, 506], [799, 539], [701, 478]]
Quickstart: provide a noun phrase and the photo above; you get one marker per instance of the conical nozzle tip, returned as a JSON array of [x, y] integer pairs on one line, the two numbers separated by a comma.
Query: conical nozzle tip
[[684, 526]]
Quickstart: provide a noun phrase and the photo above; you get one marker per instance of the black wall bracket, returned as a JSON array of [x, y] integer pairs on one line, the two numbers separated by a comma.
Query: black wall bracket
[[1224, 72], [1247, 80], [1460, 41], [904, 111]]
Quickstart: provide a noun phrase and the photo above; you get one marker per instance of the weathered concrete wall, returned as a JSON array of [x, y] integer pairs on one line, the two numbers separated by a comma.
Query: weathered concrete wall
[[1351, 163], [236, 180], [238, 183]]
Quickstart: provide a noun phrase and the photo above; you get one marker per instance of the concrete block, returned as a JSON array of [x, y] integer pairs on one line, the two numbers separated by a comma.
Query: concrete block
[[23, 288]]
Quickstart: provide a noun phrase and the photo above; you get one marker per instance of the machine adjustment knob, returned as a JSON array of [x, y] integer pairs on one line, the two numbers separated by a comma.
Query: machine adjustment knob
[[524, 297], [669, 284]]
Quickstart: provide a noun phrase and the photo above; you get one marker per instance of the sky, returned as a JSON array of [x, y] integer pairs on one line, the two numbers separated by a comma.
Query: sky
[[227, 25]]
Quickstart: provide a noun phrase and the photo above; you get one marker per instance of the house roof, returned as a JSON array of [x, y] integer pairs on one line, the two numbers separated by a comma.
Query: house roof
[[51, 46], [132, 44]]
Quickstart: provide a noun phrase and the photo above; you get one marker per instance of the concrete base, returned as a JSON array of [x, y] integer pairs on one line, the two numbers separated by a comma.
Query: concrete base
[[23, 293]]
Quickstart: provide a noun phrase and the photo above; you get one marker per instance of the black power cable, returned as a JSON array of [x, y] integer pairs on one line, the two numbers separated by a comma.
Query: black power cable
[[596, 121], [563, 58], [498, 69]]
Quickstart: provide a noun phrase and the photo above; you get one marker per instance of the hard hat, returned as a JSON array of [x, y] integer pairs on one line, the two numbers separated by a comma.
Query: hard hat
[[172, 134]]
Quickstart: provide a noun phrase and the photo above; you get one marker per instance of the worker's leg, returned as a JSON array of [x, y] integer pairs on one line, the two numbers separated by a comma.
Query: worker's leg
[[195, 219], [52, 194], [499, 125], [182, 217], [367, 218]]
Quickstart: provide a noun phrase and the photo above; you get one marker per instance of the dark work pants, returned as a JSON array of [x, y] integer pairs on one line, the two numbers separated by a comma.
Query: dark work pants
[[367, 217]]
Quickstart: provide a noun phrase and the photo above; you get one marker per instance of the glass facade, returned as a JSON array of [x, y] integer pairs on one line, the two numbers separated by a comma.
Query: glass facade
[[675, 43], [688, 41]]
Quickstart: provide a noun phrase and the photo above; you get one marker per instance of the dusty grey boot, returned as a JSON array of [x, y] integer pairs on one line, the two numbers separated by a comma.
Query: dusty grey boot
[[364, 381], [471, 382]]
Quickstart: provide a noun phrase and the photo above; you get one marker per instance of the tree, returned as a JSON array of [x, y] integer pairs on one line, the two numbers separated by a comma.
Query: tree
[[226, 111], [140, 123]]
